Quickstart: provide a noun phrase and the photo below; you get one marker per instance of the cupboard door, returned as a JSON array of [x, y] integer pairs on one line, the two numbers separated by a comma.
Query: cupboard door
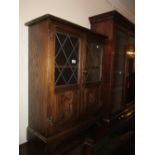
[[92, 77], [118, 70], [93, 62], [66, 77]]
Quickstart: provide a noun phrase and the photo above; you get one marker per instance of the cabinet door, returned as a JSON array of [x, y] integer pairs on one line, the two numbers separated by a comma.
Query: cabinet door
[[92, 71], [66, 106], [118, 70], [66, 77]]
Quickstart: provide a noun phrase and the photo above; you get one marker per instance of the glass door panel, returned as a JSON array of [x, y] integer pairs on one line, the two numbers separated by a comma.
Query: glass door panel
[[93, 62], [118, 70], [92, 100], [66, 59]]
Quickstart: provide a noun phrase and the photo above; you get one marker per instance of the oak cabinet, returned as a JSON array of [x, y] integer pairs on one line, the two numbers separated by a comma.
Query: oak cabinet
[[118, 58], [65, 78]]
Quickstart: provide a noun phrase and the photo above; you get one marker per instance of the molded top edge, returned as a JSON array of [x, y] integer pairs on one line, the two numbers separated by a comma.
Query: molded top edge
[[110, 14], [60, 20]]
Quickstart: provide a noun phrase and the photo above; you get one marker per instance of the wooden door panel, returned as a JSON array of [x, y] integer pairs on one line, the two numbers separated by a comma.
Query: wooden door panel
[[92, 100], [66, 106]]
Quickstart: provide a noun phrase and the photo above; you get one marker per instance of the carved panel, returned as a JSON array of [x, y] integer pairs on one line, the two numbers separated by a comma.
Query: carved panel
[[67, 104], [66, 108], [92, 99]]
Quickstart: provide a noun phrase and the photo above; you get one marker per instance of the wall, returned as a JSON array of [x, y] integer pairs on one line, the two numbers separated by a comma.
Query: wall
[[125, 7], [76, 11]]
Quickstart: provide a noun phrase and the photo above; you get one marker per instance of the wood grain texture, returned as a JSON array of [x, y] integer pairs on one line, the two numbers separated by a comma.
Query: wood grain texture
[[38, 76]]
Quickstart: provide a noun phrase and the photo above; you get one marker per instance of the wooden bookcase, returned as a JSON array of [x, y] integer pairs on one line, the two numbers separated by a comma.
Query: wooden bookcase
[[65, 78], [118, 57]]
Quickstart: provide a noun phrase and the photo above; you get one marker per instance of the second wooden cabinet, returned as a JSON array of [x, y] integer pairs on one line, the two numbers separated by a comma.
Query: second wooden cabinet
[[119, 57]]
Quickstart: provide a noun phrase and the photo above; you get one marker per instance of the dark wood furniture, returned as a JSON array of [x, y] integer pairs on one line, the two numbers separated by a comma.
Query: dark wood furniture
[[65, 79], [119, 57], [114, 138]]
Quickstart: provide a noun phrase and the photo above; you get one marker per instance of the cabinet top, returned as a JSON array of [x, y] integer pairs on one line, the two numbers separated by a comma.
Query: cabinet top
[[62, 21], [112, 15]]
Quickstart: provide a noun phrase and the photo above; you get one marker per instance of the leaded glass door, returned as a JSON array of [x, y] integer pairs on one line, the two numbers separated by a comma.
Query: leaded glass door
[[66, 76], [92, 72]]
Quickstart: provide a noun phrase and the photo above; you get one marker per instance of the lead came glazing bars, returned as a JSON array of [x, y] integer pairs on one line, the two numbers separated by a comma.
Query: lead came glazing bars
[[66, 59]]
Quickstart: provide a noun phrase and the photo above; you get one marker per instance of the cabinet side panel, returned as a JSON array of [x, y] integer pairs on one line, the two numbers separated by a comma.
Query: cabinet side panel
[[38, 83]]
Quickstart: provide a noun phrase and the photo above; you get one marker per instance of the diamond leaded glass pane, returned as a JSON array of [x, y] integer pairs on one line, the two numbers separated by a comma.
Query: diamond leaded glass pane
[[66, 59]]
